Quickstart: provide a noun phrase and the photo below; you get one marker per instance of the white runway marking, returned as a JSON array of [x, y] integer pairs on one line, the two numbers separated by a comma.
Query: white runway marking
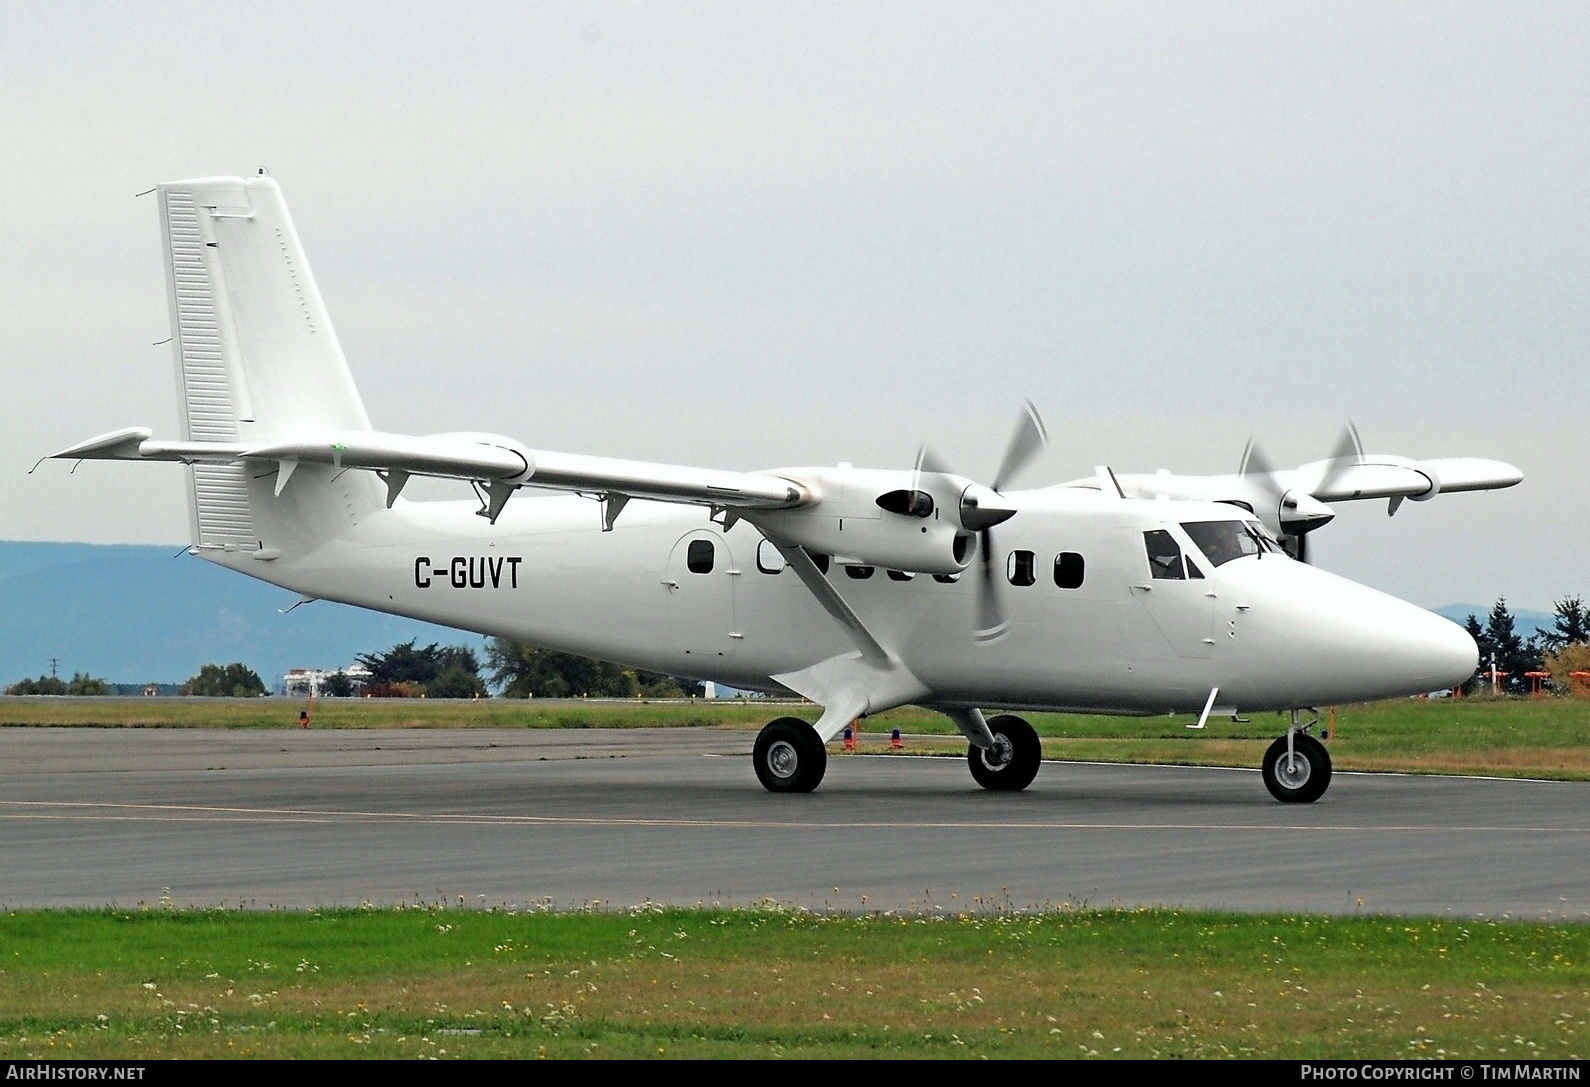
[[194, 813]]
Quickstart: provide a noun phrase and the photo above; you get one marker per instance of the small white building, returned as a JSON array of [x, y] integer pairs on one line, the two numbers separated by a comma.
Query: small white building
[[307, 682]]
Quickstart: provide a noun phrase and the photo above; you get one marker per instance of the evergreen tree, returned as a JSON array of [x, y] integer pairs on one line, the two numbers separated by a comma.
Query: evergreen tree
[[1482, 670], [1513, 655], [1477, 632], [1570, 627]]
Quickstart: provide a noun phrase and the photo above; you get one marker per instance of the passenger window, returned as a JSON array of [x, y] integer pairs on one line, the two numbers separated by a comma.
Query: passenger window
[[900, 575], [768, 559], [1068, 570], [946, 579], [698, 558], [820, 561], [1020, 568], [859, 573], [1164, 556]]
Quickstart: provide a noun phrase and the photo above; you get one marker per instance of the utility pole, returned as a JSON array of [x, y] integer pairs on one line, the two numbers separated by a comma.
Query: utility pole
[[1495, 687], [53, 662]]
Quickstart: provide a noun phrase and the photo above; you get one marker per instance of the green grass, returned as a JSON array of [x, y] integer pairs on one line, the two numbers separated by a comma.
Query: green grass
[[1546, 737], [764, 982]]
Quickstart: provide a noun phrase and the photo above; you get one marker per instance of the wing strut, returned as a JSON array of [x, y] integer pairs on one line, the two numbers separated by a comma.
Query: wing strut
[[834, 604]]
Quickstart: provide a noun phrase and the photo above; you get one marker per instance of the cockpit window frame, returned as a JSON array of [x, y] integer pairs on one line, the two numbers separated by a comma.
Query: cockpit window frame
[[1207, 539]]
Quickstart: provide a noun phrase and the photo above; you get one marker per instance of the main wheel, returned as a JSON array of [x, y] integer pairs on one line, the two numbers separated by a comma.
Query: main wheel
[[1302, 779], [1013, 761], [788, 756]]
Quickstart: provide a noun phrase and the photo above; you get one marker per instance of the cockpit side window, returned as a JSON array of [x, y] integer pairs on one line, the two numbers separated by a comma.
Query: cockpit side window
[[1164, 556]]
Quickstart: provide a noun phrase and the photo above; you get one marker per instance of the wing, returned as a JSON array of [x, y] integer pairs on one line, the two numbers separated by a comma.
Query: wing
[[500, 464]]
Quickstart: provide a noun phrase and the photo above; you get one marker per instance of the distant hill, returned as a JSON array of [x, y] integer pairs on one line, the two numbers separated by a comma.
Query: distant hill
[[139, 615], [1524, 622]]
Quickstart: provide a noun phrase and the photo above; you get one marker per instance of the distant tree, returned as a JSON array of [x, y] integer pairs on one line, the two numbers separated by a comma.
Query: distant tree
[[84, 684], [1562, 663], [456, 683], [42, 685], [1571, 625], [226, 681], [657, 685], [337, 685], [526, 671], [1514, 655], [438, 671], [1477, 631]]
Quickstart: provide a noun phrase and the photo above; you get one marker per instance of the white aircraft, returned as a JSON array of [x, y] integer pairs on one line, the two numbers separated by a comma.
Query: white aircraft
[[851, 587]]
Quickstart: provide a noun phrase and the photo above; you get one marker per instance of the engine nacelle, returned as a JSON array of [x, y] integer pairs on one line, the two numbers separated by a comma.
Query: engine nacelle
[[878, 517]]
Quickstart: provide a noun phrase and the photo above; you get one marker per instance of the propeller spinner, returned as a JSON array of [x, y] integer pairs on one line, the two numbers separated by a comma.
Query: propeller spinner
[[1293, 510], [981, 508]]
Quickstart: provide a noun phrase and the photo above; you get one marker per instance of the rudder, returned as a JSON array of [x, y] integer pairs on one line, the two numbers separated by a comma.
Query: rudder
[[256, 356]]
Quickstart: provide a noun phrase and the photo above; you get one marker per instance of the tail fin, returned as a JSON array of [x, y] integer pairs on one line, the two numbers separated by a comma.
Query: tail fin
[[257, 358]]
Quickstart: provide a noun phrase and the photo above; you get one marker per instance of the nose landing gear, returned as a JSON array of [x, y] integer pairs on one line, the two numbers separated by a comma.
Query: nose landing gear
[[1012, 763], [1297, 768]]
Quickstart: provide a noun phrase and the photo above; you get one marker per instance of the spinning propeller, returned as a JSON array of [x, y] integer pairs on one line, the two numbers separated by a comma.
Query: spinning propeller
[[1295, 511], [981, 508]]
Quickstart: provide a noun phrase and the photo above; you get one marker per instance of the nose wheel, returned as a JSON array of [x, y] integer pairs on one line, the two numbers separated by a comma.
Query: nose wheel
[[1297, 768], [1011, 764], [789, 757]]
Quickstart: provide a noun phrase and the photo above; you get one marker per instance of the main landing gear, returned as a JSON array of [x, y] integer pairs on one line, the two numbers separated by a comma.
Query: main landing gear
[[1297, 768], [1011, 764], [788, 756]]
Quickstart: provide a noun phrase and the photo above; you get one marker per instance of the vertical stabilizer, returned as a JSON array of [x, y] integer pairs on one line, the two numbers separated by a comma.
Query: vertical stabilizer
[[257, 358]]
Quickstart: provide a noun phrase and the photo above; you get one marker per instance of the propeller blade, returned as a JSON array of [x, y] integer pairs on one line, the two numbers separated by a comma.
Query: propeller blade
[[1257, 468], [1303, 549], [1028, 440], [1348, 453], [990, 609], [928, 461]]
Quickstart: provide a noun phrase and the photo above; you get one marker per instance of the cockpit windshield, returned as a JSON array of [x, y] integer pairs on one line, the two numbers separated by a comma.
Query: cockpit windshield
[[1222, 541]]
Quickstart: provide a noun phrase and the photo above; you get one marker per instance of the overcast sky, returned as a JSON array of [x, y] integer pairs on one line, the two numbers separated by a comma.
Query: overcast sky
[[744, 236]]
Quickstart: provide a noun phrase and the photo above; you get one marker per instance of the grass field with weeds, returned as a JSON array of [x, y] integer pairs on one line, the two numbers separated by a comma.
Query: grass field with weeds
[[1519, 737], [425, 981]]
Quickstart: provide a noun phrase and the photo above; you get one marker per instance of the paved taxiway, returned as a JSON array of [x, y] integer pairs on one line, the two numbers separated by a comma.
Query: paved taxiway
[[92, 816]]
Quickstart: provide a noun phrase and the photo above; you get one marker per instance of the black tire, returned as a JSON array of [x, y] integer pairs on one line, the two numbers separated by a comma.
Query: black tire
[[1306, 780], [1013, 763], [788, 756]]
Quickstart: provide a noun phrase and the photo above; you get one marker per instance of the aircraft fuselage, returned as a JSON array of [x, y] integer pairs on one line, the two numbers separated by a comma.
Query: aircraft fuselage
[[1269, 632]]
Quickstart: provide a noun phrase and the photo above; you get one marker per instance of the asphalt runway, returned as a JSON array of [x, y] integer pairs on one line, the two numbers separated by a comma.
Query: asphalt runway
[[289, 818]]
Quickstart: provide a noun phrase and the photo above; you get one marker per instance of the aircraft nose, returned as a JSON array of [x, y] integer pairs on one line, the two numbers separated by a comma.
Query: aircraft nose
[[1437, 650], [1401, 648], [1349, 643]]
